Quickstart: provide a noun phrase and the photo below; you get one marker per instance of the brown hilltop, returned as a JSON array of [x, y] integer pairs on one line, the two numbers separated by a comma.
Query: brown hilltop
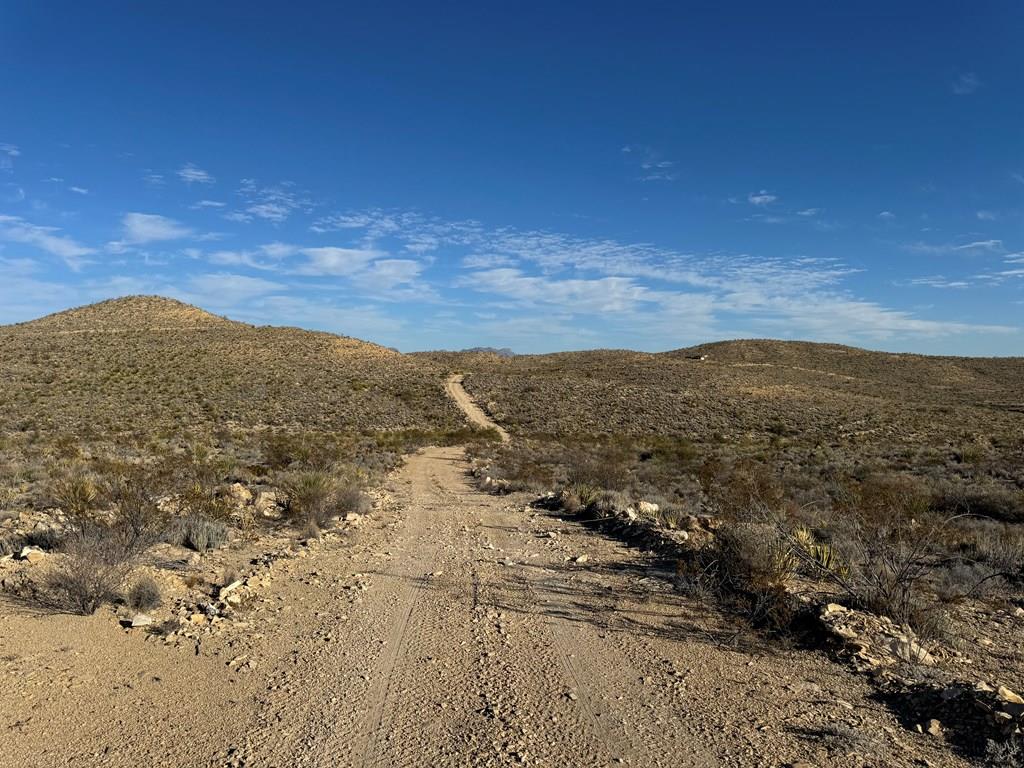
[[130, 313], [146, 362]]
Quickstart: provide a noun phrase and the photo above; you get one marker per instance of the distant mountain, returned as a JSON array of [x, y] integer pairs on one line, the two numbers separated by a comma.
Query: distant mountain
[[502, 352]]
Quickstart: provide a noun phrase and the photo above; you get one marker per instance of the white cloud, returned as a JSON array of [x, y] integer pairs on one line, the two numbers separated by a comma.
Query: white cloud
[[266, 257], [225, 289], [887, 215], [765, 218], [975, 247], [986, 215], [274, 203], [79, 190], [279, 250], [141, 228], [488, 260], [982, 245], [809, 212], [190, 173], [761, 198], [207, 204], [337, 261], [965, 84], [153, 179], [14, 229], [938, 281]]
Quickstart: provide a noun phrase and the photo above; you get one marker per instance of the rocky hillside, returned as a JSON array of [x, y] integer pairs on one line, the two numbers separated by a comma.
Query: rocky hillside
[[146, 364]]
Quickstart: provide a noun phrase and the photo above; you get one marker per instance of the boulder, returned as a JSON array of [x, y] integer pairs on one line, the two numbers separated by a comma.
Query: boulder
[[268, 504], [239, 494]]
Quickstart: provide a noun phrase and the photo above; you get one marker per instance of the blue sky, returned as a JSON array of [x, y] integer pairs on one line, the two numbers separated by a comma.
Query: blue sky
[[535, 175]]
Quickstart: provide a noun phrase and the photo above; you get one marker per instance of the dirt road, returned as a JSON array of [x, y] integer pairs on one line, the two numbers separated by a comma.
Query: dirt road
[[453, 386], [452, 628]]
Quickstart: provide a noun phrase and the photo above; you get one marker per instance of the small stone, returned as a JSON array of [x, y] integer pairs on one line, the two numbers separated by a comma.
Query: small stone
[[582, 559], [141, 620], [197, 618], [1009, 696], [225, 591], [934, 727], [32, 554]]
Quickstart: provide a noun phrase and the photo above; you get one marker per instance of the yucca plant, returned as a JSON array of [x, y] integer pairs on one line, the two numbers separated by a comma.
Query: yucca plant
[[821, 554], [77, 494]]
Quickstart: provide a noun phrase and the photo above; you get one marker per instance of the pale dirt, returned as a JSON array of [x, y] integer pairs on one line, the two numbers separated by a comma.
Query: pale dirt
[[453, 386], [451, 629]]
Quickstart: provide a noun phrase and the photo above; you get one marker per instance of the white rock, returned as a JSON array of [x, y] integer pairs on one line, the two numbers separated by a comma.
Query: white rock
[[647, 508], [32, 554], [141, 620]]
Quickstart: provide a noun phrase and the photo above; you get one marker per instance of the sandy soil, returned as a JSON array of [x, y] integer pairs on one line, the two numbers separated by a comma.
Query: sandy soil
[[473, 412], [452, 628]]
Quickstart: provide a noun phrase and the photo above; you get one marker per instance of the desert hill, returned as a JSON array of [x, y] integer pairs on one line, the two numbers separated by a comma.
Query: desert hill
[[758, 391], [148, 363]]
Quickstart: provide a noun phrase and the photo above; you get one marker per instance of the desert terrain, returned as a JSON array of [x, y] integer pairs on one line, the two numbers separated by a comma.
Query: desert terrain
[[228, 545]]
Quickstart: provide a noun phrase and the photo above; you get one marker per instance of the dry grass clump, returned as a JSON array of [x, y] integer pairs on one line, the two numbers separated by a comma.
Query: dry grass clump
[[144, 594], [316, 497]]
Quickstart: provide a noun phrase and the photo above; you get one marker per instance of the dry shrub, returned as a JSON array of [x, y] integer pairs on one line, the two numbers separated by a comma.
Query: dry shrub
[[1002, 547], [144, 594], [135, 504], [196, 532], [96, 563]]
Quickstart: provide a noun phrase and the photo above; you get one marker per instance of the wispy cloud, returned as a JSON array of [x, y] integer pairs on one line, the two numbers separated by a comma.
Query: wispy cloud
[[938, 281], [965, 84], [142, 228], [642, 283], [652, 165], [993, 246], [206, 204], [79, 190], [337, 261], [153, 179], [191, 173], [7, 154], [887, 216], [15, 229], [274, 203], [809, 212], [762, 198], [986, 215]]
